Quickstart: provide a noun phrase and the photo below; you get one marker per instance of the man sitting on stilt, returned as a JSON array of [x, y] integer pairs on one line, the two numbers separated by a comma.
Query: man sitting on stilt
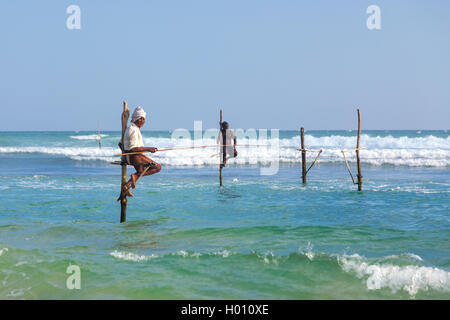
[[133, 143], [229, 148]]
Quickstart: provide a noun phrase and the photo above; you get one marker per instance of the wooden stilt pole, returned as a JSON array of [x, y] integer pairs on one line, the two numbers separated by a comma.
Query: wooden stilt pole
[[302, 137], [123, 197], [358, 160], [99, 136], [221, 158], [123, 200]]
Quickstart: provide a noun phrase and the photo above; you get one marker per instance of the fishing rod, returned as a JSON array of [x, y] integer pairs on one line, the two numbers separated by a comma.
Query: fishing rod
[[169, 149], [185, 148]]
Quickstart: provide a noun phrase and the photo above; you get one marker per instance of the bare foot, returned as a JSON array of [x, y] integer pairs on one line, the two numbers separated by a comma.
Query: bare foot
[[128, 193], [126, 190], [133, 181], [125, 193]]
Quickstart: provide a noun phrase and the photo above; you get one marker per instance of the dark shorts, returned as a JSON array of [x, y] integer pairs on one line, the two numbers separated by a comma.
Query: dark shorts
[[142, 160]]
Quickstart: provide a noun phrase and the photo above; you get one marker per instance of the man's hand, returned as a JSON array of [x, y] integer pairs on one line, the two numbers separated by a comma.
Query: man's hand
[[152, 149]]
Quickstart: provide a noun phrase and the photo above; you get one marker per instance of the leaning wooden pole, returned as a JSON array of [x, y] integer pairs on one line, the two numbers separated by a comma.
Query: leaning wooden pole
[[221, 151], [123, 197], [358, 160], [302, 137]]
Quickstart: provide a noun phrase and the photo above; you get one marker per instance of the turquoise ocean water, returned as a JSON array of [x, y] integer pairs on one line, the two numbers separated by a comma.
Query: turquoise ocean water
[[257, 237]]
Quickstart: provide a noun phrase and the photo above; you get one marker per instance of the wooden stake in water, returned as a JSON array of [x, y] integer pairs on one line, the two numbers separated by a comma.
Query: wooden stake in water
[[302, 137], [99, 136], [358, 160], [123, 198], [221, 158]]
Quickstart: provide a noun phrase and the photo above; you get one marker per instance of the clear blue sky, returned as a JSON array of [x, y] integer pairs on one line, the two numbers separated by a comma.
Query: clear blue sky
[[269, 64]]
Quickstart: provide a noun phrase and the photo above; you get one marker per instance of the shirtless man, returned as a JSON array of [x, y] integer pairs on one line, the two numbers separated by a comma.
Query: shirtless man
[[229, 148], [133, 143]]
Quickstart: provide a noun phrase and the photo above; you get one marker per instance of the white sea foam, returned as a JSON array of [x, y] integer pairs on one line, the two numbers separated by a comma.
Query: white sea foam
[[307, 251], [267, 258], [185, 254], [18, 292], [182, 253], [130, 256], [410, 278], [397, 151], [2, 251], [224, 253], [64, 151], [415, 256], [89, 137]]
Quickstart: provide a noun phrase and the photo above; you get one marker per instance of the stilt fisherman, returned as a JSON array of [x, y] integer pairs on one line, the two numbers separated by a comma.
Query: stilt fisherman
[[224, 140], [133, 143]]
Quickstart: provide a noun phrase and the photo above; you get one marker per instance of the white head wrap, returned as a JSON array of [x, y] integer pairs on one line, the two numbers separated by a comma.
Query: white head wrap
[[138, 113]]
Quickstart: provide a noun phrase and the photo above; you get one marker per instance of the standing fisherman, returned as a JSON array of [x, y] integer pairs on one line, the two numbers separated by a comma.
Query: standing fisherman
[[133, 143], [230, 149]]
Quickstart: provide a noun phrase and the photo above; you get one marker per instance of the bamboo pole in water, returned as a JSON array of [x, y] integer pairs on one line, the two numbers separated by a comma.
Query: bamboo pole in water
[[358, 160], [123, 200], [221, 158], [123, 197], [99, 136], [302, 137]]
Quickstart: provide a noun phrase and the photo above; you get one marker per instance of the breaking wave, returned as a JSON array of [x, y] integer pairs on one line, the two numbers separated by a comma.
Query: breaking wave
[[430, 151], [396, 272], [410, 278], [2, 251], [89, 137], [74, 153], [130, 256]]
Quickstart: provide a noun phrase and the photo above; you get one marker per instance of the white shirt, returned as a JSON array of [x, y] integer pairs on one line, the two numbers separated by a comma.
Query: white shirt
[[229, 136], [132, 137]]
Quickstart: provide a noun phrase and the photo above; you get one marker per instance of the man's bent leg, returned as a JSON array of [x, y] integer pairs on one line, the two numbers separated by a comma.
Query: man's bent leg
[[142, 170], [149, 169]]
